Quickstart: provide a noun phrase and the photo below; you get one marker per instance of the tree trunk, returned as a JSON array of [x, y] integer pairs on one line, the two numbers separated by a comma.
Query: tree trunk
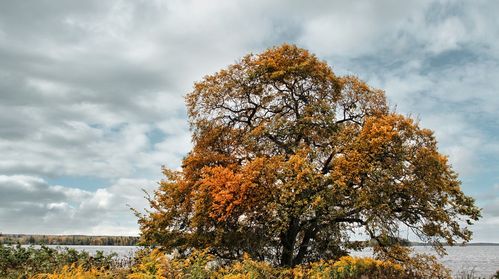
[[288, 240], [302, 252]]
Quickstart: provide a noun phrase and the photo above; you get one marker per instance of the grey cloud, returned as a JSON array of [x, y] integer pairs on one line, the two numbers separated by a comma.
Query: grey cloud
[[107, 80], [486, 229], [492, 208], [33, 19], [15, 123], [22, 189], [58, 209], [449, 59], [491, 202]]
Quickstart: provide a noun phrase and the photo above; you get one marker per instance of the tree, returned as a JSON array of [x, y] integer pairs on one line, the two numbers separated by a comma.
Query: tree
[[289, 160]]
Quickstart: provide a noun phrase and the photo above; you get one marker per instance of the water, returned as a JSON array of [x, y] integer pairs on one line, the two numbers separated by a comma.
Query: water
[[121, 251], [482, 260]]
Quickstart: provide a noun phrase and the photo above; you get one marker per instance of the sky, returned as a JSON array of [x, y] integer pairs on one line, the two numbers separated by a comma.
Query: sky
[[92, 92]]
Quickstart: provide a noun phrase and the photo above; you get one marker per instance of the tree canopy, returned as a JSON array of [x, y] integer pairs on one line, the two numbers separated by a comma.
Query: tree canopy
[[289, 161]]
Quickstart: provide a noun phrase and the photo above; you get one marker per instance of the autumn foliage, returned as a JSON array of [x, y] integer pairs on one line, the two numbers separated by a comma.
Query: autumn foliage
[[289, 159]]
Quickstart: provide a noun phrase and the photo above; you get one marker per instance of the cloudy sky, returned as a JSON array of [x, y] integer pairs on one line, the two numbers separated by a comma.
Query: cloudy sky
[[91, 92]]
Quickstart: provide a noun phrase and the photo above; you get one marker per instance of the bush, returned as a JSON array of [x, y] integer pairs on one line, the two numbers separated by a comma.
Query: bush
[[154, 264], [75, 271], [351, 267], [150, 264], [200, 264], [248, 268], [26, 262]]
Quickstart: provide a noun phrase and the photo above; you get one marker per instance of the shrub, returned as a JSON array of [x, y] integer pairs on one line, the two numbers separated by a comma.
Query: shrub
[[150, 264], [154, 264], [75, 271], [352, 267], [248, 268], [26, 262]]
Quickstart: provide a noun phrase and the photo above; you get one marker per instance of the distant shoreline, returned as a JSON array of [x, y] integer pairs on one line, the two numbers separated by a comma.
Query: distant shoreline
[[457, 245], [113, 240], [90, 240]]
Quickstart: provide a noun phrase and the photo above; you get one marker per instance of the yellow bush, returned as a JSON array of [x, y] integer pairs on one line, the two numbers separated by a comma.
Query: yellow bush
[[345, 267], [352, 267], [77, 272], [156, 265], [152, 265], [247, 269]]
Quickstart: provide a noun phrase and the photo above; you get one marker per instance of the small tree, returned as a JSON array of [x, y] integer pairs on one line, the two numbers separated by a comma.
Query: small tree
[[289, 158]]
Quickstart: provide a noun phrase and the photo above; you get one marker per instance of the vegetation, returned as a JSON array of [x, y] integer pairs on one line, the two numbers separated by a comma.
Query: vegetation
[[289, 159], [22, 262], [36, 263], [471, 274], [198, 266], [48, 263], [26, 239]]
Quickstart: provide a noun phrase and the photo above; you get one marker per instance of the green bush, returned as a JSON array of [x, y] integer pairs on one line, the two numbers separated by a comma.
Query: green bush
[[25, 262]]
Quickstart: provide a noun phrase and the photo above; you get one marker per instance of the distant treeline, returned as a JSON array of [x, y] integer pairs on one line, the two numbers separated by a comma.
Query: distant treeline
[[25, 239], [467, 244]]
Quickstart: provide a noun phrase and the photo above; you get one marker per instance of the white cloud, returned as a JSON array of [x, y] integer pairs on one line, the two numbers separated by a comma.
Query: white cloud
[[446, 35], [360, 28], [31, 205]]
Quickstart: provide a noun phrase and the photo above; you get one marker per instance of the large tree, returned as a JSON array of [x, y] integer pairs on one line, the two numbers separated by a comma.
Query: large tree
[[289, 161]]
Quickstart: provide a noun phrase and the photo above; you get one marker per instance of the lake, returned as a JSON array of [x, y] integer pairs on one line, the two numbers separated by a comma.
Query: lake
[[483, 260]]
